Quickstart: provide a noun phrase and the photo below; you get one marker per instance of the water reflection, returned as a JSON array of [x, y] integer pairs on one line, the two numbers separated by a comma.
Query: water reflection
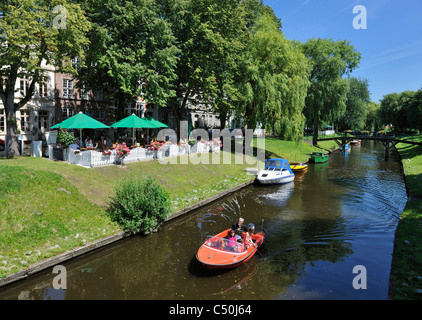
[[337, 215]]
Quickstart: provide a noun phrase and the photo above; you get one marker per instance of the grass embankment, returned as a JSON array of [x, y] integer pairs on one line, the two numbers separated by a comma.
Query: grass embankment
[[49, 207], [292, 151], [406, 275]]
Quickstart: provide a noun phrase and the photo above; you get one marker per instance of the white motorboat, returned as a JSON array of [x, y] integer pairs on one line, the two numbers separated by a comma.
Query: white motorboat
[[276, 171]]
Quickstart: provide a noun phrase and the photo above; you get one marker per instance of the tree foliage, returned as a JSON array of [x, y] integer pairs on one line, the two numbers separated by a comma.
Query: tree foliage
[[207, 35], [132, 51], [414, 114], [327, 95], [373, 121], [230, 55], [402, 110], [31, 33], [357, 99], [273, 79]]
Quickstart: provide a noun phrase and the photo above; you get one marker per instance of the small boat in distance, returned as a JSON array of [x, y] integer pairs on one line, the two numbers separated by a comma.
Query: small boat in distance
[[318, 157], [346, 147], [218, 252], [298, 166], [355, 142], [276, 171]]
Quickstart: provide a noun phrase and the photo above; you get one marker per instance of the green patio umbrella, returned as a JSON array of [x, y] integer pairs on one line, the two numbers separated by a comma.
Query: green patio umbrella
[[80, 121], [156, 122], [134, 122]]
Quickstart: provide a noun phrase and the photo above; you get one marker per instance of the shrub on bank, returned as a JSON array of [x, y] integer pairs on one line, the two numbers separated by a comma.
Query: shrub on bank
[[140, 205]]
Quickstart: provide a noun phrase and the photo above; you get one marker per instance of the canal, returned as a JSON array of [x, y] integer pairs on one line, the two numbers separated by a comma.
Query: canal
[[336, 216]]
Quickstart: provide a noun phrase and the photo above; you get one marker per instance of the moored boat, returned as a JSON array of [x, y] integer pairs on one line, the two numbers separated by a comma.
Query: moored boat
[[276, 171], [318, 157], [355, 142], [298, 166], [346, 147], [218, 252]]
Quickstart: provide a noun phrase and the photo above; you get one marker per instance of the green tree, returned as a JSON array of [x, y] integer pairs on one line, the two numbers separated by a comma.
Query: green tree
[[207, 33], [132, 51], [414, 113], [31, 33], [394, 109], [327, 95], [405, 101], [356, 105], [274, 79], [373, 121], [389, 108]]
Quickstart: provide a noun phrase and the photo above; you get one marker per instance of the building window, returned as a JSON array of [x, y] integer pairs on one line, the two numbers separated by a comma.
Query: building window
[[76, 63], [43, 120], [97, 114], [98, 95], [43, 92], [2, 122], [67, 88], [24, 120], [24, 85], [217, 121], [101, 115], [68, 112], [83, 93]]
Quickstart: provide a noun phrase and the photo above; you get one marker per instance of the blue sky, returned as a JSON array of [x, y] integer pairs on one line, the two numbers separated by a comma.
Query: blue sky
[[391, 46]]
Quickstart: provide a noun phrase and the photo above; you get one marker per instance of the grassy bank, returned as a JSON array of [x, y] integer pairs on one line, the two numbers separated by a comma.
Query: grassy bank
[[50, 207], [406, 275], [292, 151]]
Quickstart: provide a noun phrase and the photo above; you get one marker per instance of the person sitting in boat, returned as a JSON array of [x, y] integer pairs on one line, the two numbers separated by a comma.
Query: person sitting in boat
[[251, 228], [231, 236], [248, 236], [239, 228]]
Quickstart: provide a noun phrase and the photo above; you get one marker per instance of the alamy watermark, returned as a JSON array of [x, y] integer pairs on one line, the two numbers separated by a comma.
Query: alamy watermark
[[359, 21], [60, 21], [243, 148], [359, 281], [60, 281]]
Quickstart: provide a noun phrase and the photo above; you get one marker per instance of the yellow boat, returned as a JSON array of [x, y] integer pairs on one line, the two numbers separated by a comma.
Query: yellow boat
[[298, 166]]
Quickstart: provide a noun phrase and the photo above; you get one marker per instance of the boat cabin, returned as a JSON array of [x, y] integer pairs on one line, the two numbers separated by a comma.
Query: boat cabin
[[318, 153], [318, 157], [278, 165]]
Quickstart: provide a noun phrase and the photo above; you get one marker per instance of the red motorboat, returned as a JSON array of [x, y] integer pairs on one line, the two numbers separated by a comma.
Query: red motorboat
[[218, 252]]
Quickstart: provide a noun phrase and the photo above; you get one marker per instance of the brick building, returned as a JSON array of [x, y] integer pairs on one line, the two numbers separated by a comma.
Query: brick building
[[57, 98]]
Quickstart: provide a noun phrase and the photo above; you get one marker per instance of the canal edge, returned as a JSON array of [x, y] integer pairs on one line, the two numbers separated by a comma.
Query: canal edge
[[391, 278], [103, 242]]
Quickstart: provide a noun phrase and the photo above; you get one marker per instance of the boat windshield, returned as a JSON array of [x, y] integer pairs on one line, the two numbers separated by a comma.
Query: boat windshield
[[273, 163], [273, 169], [224, 244]]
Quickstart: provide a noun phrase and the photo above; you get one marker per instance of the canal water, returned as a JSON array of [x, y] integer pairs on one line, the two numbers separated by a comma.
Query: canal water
[[330, 235]]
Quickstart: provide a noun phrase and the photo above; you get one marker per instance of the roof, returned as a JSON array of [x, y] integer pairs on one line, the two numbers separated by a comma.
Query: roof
[[279, 159], [282, 164]]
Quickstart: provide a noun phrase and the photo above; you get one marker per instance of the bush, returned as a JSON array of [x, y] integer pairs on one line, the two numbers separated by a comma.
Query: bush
[[140, 205]]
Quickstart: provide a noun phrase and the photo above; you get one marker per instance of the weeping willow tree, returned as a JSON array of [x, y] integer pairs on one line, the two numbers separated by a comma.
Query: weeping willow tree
[[327, 95], [275, 79]]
